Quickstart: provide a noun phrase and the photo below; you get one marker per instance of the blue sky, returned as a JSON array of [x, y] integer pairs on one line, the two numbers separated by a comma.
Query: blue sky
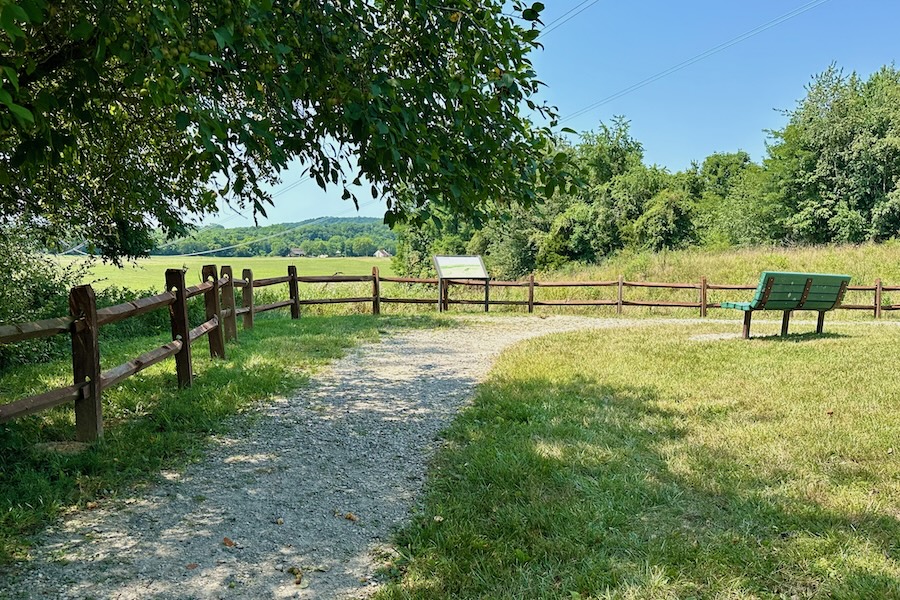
[[721, 103]]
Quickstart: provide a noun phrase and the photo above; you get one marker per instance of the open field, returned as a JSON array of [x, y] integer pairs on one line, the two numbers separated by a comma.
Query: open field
[[151, 425], [669, 461], [149, 273], [864, 263]]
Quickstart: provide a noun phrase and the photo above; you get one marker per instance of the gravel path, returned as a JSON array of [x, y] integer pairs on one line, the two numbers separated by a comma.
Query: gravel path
[[310, 491]]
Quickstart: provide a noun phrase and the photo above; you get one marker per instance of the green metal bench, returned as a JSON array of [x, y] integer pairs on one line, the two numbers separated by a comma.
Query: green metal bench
[[794, 291]]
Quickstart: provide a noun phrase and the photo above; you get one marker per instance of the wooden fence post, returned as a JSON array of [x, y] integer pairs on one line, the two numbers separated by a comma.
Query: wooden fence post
[[487, 294], [180, 327], [531, 293], [878, 291], [446, 294], [376, 292], [214, 309], [86, 364], [294, 291], [619, 296], [247, 298], [228, 305], [703, 285]]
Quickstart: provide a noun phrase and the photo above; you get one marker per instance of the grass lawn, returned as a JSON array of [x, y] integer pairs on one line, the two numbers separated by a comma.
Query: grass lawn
[[150, 273], [150, 424], [643, 463]]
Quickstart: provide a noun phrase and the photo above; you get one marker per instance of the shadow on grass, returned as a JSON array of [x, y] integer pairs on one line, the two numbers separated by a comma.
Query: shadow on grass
[[795, 338], [150, 424], [551, 490]]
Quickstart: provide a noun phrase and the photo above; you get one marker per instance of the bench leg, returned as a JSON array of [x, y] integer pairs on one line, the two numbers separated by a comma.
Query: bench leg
[[784, 323], [820, 324], [748, 314]]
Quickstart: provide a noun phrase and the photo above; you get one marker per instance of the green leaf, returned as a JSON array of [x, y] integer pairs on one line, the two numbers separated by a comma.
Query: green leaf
[[182, 120], [201, 57], [12, 76], [8, 22], [18, 13], [529, 14], [35, 10], [21, 112], [223, 36], [83, 30]]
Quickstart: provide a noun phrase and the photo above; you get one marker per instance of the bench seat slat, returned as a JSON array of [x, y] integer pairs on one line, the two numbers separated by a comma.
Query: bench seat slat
[[798, 290], [737, 305], [795, 297]]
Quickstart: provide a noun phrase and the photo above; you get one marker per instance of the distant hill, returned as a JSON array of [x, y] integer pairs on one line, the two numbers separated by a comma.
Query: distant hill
[[332, 236]]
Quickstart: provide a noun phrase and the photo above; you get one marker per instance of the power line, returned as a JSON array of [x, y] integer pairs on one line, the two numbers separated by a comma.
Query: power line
[[75, 248], [550, 26], [562, 16], [291, 186], [723, 46]]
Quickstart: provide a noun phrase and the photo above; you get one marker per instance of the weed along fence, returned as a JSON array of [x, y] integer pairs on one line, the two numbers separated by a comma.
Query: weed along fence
[[218, 290], [85, 320]]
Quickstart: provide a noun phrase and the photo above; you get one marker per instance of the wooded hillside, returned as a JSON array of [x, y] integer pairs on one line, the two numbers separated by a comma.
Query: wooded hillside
[[356, 236]]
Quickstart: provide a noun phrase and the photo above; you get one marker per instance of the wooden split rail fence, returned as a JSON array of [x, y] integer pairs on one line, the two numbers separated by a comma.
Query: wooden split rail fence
[[85, 320], [443, 300], [218, 291]]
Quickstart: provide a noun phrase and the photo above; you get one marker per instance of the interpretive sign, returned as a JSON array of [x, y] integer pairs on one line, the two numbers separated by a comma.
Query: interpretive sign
[[459, 268]]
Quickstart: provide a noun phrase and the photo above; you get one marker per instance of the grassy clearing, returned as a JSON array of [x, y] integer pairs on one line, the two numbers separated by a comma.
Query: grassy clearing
[[150, 273], [647, 464], [150, 424]]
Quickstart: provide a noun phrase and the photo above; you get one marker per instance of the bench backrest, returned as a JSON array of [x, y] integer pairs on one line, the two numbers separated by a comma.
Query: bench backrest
[[796, 291]]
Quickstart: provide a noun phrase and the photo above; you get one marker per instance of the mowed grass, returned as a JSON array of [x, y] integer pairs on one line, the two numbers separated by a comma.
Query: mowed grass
[[643, 463], [150, 424], [150, 273]]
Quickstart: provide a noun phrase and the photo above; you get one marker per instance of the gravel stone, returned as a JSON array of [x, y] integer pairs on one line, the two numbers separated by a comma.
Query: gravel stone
[[299, 502]]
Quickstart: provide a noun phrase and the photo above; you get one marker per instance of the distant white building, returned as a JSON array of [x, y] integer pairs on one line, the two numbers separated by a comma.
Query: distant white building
[[382, 253]]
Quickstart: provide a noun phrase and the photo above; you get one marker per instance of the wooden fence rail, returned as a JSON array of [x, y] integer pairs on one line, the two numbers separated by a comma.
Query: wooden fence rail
[[221, 312], [85, 320]]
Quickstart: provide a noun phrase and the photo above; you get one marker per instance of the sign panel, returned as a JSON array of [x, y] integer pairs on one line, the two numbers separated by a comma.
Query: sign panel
[[460, 267]]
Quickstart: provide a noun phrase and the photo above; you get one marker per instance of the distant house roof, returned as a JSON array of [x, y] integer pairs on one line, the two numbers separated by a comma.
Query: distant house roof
[[297, 252], [381, 253]]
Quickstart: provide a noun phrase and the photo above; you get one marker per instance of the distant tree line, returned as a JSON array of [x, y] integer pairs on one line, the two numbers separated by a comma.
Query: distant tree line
[[357, 236], [829, 176]]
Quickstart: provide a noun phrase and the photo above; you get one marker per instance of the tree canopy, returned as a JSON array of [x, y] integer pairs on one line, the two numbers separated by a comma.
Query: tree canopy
[[831, 174], [120, 116]]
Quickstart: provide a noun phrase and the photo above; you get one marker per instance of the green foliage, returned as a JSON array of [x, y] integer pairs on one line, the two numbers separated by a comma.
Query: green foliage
[[832, 175], [667, 222], [32, 287], [122, 116], [837, 162]]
